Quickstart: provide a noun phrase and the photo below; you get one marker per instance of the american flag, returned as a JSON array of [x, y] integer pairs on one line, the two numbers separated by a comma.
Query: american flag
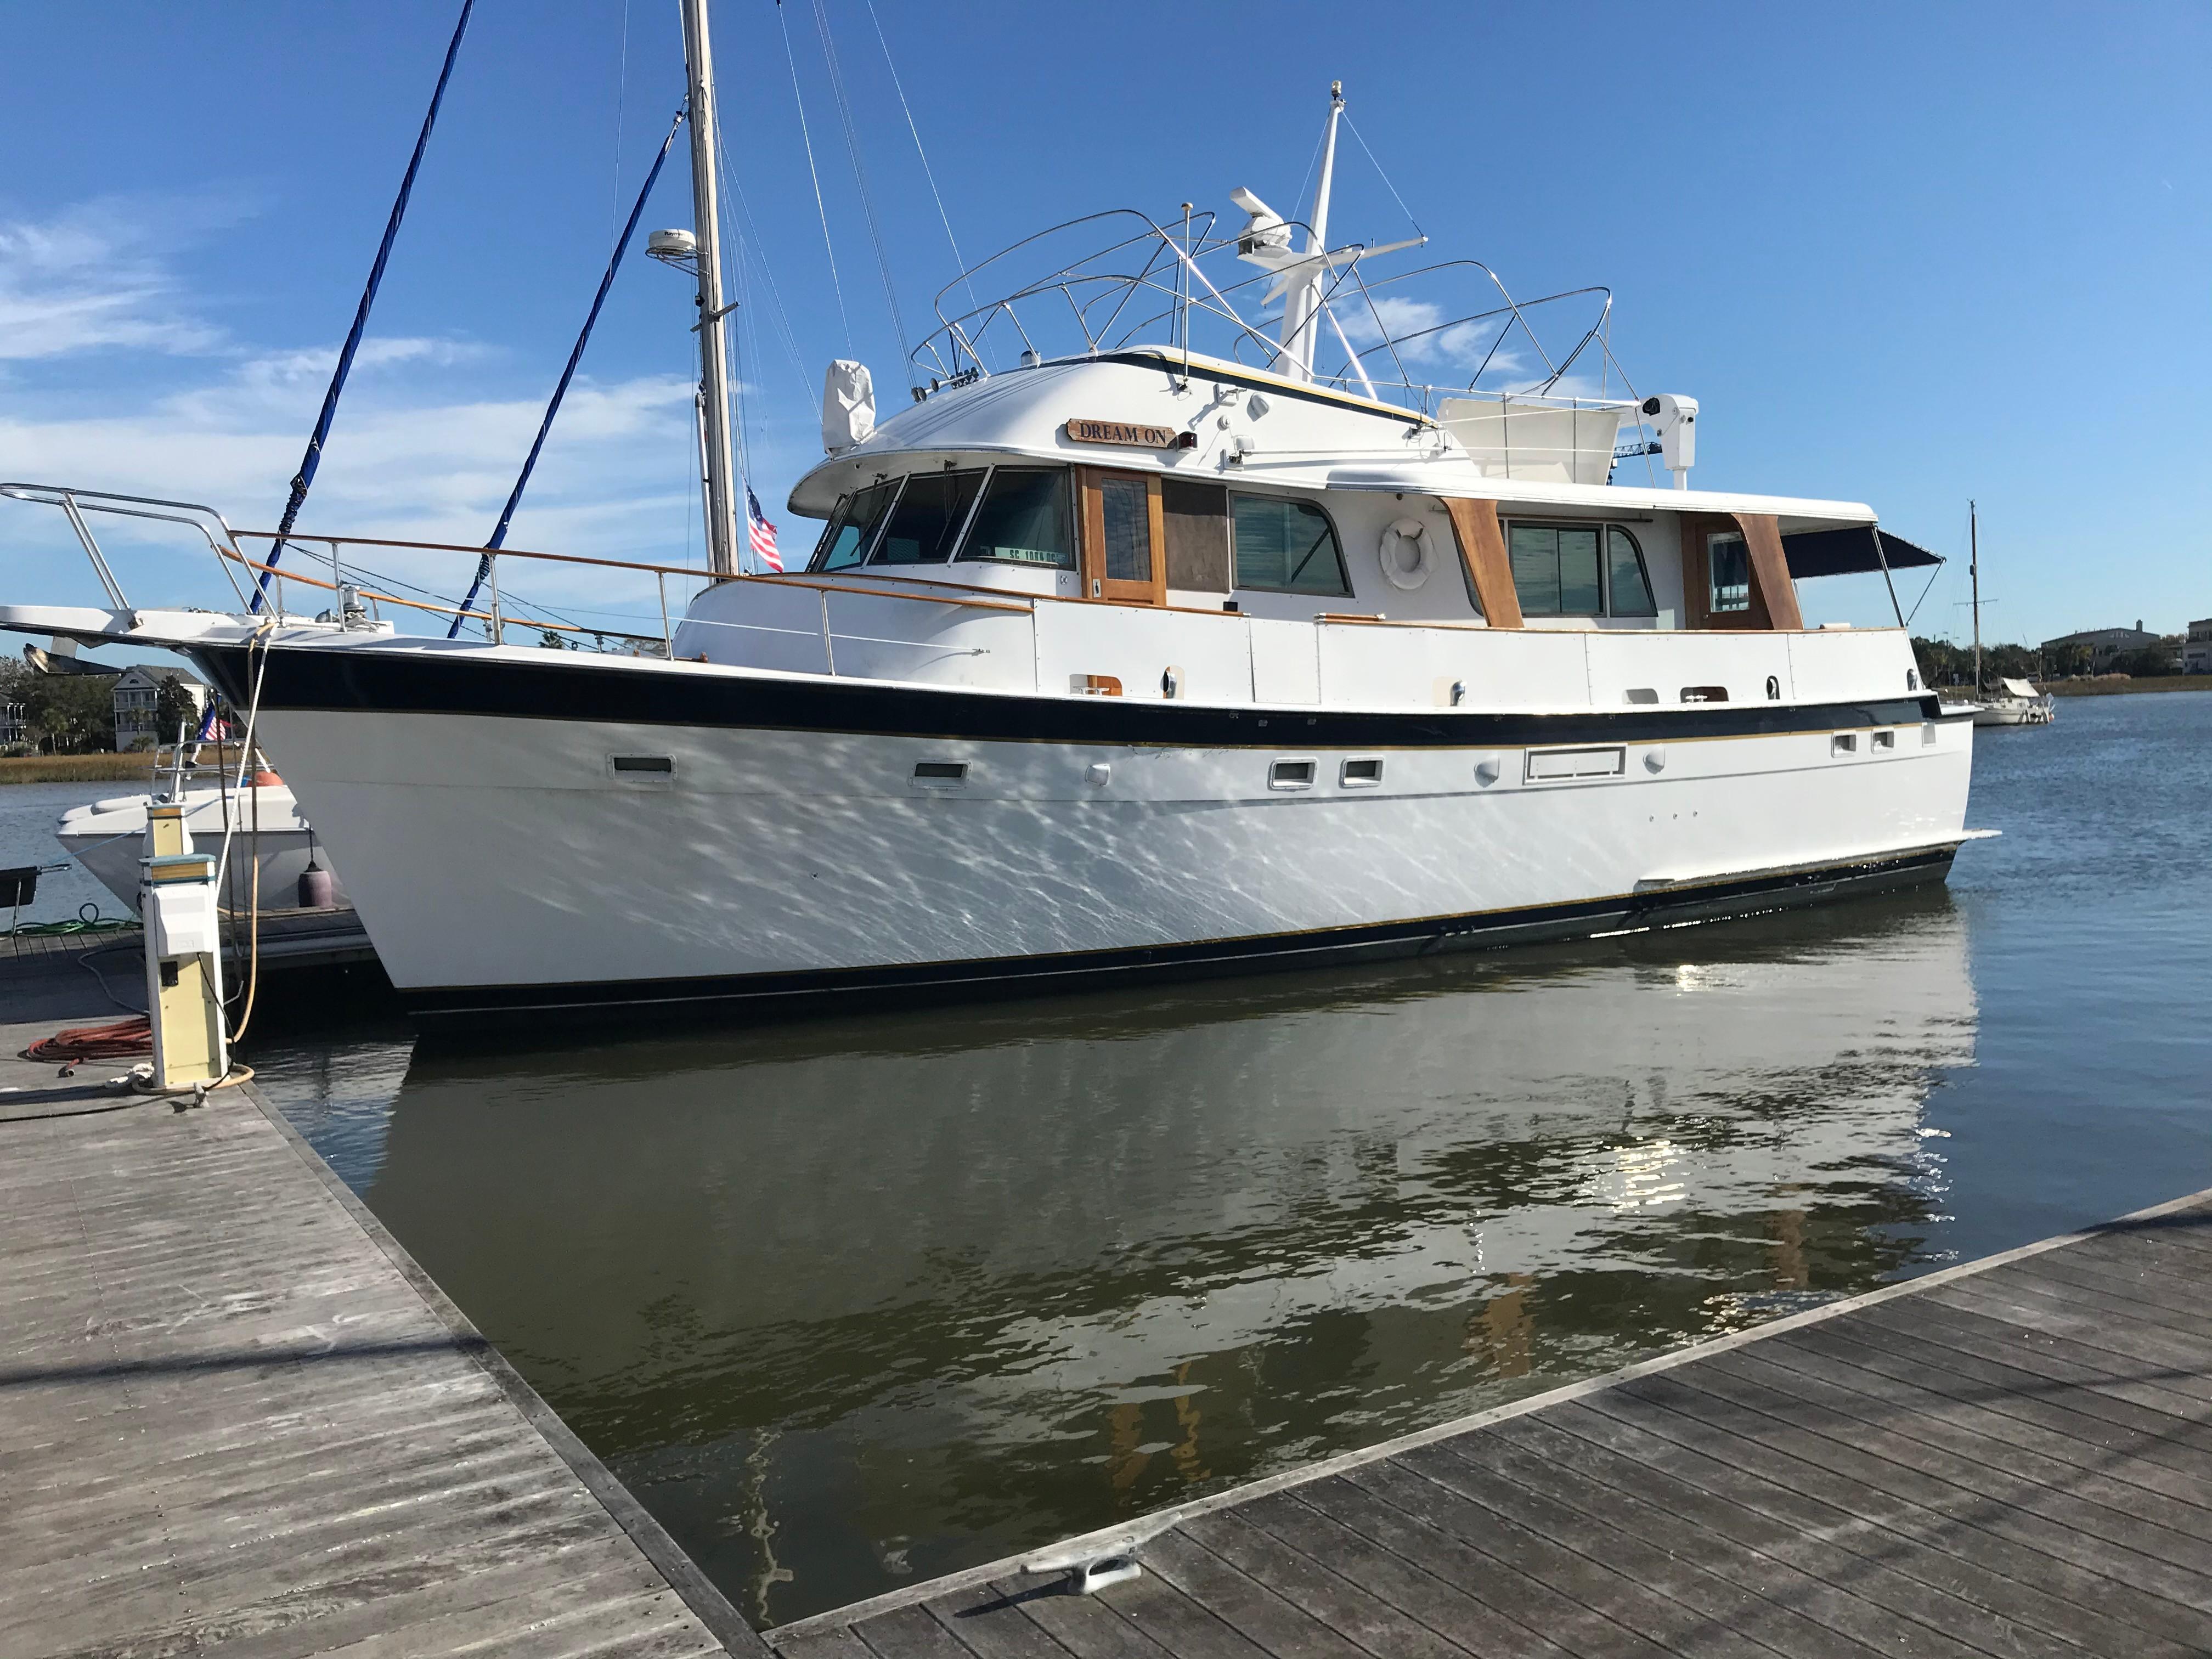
[[762, 532]]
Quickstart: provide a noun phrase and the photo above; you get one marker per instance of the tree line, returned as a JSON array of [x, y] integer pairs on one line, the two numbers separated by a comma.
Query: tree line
[[75, 713]]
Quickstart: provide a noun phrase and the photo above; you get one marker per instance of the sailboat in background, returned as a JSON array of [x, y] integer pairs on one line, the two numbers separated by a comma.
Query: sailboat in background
[[2014, 702]]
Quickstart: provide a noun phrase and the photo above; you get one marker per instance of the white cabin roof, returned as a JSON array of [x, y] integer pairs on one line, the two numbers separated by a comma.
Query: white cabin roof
[[1247, 426]]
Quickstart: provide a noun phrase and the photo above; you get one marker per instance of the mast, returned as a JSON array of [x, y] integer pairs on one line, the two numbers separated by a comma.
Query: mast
[[1974, 569], [720, 469], [1302, 305]]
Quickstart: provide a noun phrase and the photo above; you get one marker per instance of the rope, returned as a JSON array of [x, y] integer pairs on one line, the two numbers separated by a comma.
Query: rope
[[820, 208], [861, 177], [312, 459], [561, 389]]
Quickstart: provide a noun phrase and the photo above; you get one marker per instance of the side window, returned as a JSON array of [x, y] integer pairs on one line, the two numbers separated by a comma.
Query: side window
[[1286, 546], [1197, 518], [845, 541], [930, 514], [1555, 569], [1625, 573], [1024, 519], [1730, 560]]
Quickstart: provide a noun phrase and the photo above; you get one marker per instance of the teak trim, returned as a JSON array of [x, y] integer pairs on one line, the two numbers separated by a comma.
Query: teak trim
[[1773, 607], [1772, 589], [1482, 550]]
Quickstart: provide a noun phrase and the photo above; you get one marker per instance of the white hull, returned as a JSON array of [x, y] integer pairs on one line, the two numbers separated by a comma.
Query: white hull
[[504, 856], [2014, 711]]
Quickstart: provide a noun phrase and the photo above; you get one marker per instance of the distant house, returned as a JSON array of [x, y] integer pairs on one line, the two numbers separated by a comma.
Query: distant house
[[2197, 649], [138, 695], [2104, 644], [14, 727]]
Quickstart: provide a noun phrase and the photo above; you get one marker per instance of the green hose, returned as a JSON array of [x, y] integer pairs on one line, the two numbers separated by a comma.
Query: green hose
[[88, 920]]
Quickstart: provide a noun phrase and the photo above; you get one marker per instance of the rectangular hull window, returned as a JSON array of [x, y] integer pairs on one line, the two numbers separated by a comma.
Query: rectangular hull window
[[1291, 774], [1554, 765], [1024, 519]]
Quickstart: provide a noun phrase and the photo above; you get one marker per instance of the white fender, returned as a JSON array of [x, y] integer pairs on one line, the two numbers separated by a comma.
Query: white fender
[[1402, 534]]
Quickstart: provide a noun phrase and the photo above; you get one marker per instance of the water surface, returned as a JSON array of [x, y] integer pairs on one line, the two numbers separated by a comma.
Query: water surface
[[883, 1296]]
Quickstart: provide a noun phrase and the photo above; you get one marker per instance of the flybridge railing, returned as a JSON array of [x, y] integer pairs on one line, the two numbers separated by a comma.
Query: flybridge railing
[[1151, 286], [355, 598]]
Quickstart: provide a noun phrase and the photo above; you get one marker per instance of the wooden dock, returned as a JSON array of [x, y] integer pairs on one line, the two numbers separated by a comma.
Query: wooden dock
[[235, 1417], [2009, 1460]]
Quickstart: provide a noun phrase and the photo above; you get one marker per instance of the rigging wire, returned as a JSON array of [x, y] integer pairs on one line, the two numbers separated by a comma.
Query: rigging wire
[[867, 197], [927, 173], [568, 374], [304, 479], [621, 90], [1385, 177], [752, 245], [820, 207]]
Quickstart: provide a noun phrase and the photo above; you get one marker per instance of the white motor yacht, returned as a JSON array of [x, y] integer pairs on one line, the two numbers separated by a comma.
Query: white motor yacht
[[1181, 646]]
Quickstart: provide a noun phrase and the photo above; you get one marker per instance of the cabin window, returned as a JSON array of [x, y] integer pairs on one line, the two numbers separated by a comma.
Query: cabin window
[[1578, 570], [852, 527], [1024, 519], [932, 511], [1628, 583], [1730, 562], [1555, 569], [1125, 509], [1195, 516], [1286, 546]]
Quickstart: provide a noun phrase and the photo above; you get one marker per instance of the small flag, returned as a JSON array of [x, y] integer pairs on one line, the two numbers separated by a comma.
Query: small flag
[[762, 532], [212, 729]]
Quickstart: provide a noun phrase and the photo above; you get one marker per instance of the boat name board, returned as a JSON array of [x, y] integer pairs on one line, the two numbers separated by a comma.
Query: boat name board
[[1117, 431]]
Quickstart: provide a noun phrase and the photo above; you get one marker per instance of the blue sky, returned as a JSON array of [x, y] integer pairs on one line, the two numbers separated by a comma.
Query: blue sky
[[1902, 254]]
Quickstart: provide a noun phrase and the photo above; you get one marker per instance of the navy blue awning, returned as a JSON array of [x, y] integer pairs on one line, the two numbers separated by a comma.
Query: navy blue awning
[[1849, 551]]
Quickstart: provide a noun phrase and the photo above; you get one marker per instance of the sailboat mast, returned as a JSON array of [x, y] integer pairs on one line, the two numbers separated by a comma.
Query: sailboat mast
[[720, 468], [1974, 569], [1302, 305]]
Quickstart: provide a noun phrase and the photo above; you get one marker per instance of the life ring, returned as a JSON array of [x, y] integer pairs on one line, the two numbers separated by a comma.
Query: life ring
[[1390, 555]]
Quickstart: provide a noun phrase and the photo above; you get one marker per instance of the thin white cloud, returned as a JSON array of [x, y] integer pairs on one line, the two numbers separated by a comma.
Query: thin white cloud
[[98, 275]]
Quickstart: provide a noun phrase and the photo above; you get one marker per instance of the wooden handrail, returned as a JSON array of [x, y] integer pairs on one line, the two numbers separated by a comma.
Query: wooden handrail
[[434, 609], [795, 579]]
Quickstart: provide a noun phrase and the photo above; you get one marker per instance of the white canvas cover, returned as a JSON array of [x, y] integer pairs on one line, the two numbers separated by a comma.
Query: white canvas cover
[[1509, 439], [2018, 688], [848, 405]]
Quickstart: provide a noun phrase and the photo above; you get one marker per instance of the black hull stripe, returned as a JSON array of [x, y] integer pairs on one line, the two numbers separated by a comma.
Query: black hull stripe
[[567, 688], [945, 982]]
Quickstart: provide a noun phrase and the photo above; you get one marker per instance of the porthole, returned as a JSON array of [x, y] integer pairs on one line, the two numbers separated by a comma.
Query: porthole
[[1291, 774], [1363, 774]]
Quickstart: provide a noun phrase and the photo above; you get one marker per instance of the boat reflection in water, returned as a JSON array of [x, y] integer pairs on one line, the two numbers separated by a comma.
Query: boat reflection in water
[[887, 1296]]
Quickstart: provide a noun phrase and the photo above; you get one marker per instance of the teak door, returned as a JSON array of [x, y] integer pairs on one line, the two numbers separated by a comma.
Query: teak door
[[1124, 538]]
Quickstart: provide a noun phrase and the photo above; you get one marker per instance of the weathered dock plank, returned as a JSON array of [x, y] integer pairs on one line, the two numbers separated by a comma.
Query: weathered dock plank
[[236, 1417], [2007, 1460]]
